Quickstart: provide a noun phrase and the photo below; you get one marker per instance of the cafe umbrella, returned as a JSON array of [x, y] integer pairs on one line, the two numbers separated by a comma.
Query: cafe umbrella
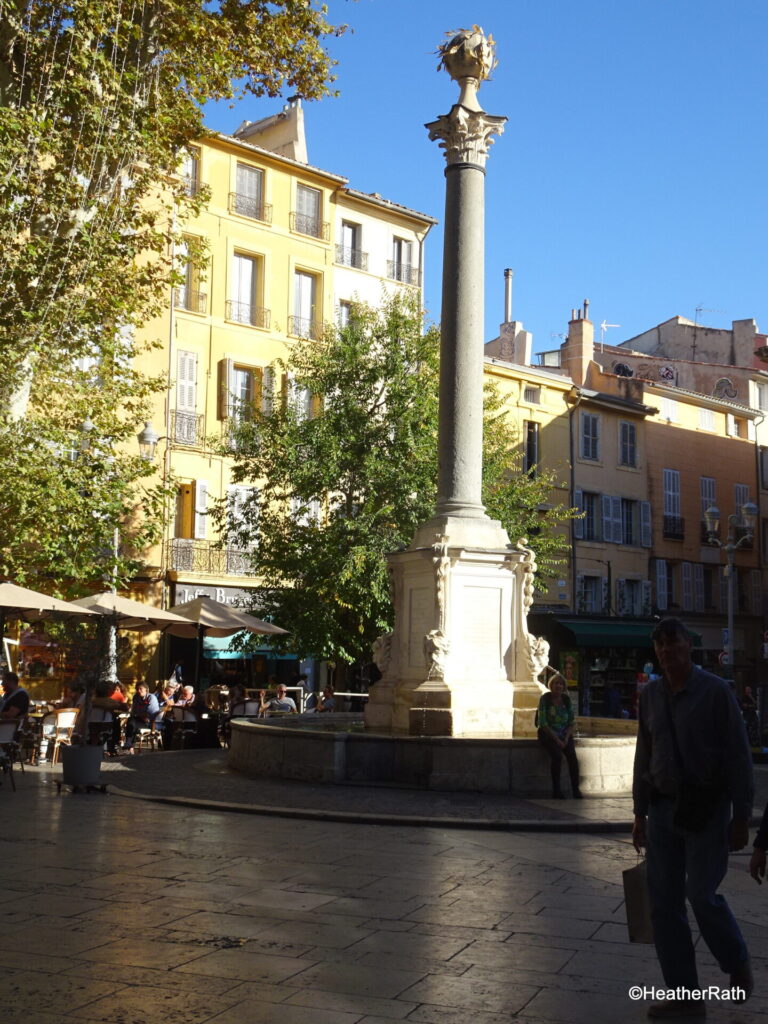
[[31, 606], [212, 618]]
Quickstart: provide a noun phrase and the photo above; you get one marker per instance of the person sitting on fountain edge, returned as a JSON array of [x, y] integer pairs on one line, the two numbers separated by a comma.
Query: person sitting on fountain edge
[[555, 720]]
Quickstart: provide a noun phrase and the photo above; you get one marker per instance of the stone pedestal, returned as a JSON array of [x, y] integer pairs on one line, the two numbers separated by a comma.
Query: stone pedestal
[[460, 661]]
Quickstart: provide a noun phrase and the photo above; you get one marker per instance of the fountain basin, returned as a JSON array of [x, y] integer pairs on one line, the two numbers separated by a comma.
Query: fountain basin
[[338, 749]]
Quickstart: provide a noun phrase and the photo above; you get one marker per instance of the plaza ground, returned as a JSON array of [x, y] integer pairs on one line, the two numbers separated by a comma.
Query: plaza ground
[[119, 908]]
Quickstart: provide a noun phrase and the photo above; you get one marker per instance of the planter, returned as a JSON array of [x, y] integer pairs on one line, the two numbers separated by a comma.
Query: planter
[[81, 768]]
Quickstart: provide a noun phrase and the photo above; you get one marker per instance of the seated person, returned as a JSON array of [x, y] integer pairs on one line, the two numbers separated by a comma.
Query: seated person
[[327, 702], [144, 711], [186, 698], [108, 697], [280, 702], [15, 700]]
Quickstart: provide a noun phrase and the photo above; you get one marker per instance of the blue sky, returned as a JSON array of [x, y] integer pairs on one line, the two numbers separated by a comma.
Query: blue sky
[[632, 170]]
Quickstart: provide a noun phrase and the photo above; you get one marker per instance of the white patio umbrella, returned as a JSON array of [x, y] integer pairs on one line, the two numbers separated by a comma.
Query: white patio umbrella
[[129, 614], [212, 618], [31, 606]]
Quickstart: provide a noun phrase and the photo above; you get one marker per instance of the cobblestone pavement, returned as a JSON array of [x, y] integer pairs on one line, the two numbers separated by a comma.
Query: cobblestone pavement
[[125, 911]]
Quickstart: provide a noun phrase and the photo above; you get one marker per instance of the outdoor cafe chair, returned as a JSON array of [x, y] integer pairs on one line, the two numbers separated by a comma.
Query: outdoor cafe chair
[[185, 725], [57, 728], [246, 709], [9, 749], [148, 736], [100, 726]]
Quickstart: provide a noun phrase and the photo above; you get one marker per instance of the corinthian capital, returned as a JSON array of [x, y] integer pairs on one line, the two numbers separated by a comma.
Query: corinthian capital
[[465, 134]]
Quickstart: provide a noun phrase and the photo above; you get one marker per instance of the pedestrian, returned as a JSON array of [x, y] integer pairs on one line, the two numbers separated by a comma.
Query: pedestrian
[[555, 720], [692, 797]]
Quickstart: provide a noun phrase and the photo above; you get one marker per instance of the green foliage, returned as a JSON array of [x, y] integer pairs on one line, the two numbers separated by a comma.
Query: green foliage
[[98, 100], [339, 489]]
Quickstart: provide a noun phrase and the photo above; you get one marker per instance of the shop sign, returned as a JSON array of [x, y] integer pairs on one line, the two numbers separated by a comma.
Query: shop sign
[[237, 596]]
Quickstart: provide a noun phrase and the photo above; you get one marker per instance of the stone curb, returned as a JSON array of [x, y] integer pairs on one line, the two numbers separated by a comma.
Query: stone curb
[[355, 818]]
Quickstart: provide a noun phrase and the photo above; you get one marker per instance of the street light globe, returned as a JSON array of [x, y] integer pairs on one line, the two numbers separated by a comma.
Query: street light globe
[[712, 519], [148, 439], [749, 515]]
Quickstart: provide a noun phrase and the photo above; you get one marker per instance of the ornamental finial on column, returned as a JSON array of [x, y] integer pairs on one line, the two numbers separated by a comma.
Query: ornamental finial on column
[[465, 133]]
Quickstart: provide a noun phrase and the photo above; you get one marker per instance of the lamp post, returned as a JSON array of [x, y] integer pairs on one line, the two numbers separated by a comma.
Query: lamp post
[[747, 521]]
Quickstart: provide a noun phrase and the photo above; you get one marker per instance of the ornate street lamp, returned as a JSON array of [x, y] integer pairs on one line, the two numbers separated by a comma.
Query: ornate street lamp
[[746, 521]]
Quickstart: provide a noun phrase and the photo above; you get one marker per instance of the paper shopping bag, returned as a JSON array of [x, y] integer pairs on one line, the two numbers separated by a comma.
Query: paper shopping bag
[[637, 903]]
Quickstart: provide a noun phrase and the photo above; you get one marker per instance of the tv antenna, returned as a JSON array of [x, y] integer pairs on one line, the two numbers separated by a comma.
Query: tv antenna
[[699, 309], [603, 328]]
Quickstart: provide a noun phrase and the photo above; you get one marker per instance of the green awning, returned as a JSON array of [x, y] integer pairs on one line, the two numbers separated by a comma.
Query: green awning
[[613, 633]]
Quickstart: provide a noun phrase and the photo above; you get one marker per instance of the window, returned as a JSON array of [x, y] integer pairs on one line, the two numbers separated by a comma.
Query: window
[[591, 520], [348, 251], [633, 597], [592, 593], [740, 496], [307, 220], [239, 390], [612, 518], [190, 170], [188, 294], [531, 453], [627, 444], [185, 421], [304, 323], [301, 400], [664, 596], [735, 427], [706, 419], [764, 468], [531, 395], [345, 312], [630, 522], [762, 396], [590, 436], [192, 510], [707, 489], [243, 306], [400, 267], [669, 410], [673, 523], [248, 197]]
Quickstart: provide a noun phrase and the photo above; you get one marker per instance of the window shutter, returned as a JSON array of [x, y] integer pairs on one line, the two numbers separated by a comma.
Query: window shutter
[[578, 524], [757, 592], [698, 587], [201, 508], [605, 595], [687, 576], [267, 390], [618, 531], [646, 536], [621, 597], [647, 590], [580, 595], [607, 517], [185, 511], [226, 388], [764, 468], [258, 378], [186, 381], [661, 584]]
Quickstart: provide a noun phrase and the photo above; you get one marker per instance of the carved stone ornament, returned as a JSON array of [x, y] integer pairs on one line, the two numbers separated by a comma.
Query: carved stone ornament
[[436, 646], [382, 652], [465, 135], [468, 57]]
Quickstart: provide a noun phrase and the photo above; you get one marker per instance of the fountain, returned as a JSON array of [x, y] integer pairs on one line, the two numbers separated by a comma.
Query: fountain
[[455, 706]]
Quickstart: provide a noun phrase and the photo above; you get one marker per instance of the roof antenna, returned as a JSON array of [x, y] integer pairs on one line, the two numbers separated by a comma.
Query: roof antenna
[[603, 328]]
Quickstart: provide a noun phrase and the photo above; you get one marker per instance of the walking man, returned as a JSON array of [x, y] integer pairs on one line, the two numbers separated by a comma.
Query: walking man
[[692, 796]]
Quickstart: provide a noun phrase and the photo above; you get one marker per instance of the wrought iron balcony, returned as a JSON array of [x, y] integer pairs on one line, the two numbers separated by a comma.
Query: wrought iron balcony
[[404, 272], [351, 257], [187, 429], [306, 224], [300, 327], [193, 301], [674, 528], [192, 184], [249, 206], [247, 313], [201, 556]]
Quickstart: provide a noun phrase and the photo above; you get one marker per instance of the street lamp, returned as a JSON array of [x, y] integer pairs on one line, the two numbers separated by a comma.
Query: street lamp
[[148, 439], [746, 521]]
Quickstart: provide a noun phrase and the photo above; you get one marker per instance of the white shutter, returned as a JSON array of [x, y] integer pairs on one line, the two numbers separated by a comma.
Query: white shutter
[[186, 381], [607, 516], [243, 281], [698, 587], [184, 267], [757, 592], [707, 489], [580, 594], [661, 584], [201, 509], [646, 536], [578, 503], [687, 576], [621, 597], [671, 492], [226, 402], [308, 201], [618, 530], [249, 180], [647, 590], [304, 296]]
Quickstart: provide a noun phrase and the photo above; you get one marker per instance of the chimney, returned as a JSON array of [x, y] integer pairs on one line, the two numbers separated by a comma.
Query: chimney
[[508, 275], [579, 347]]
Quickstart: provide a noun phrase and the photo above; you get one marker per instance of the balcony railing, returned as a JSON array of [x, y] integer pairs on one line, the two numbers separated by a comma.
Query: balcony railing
[[306, 224], [351, 257], [248, 206], [193, 301], [403, 272], [200, 556], [191, 184], [674, 528], [247, 313], [300, 327], [187, 428]]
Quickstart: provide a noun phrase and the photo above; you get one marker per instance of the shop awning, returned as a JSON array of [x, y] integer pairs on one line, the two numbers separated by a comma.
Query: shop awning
[[218, 648], [613, 633]]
